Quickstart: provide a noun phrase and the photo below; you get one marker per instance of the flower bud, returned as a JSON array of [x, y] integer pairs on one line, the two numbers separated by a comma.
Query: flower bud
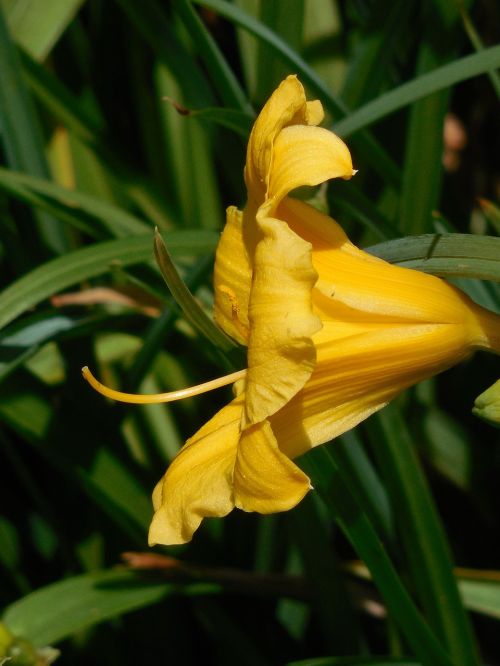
[[487, 405]]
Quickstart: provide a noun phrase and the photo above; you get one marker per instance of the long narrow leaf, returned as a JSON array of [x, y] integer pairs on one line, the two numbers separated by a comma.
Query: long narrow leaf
[[192, 310], [423, 536], [355, 524], [88, 262], [444, 77], [448, 255]]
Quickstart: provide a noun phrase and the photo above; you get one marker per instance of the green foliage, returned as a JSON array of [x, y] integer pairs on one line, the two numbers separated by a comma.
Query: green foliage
[[117, 118]]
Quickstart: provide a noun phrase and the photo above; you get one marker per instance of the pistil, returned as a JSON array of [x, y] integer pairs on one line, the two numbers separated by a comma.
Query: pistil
[[153, 398]]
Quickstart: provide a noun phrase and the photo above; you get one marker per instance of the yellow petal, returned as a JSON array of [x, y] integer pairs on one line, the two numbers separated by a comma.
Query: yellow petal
[[358, 371], [306, 156], [198, 483], [369, 285], [265, 480], [232, 279], [281, 355], [286, 105]]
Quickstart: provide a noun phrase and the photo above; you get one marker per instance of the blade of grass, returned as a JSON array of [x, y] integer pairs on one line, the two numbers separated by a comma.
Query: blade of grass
[[476, 41], [156, 28], [192, 310], [374, 55], [322, 571], [88, 262], [287, 21], [324, 471], [85, 212], [22, 139], [423, 171], [460, 70], [37, 26], [377, 156], [84, 121], [422, 535], [59, 610], [221, 74], [461, 255]]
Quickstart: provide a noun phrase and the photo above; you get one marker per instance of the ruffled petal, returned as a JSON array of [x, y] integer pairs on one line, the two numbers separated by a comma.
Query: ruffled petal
[[281, 354], [199, 481], [232, 279], [306, 156], [285, 106], [265, 480]]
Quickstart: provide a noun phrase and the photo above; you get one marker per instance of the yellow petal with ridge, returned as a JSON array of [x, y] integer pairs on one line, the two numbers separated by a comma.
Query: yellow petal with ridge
[[281, 354], [232, 279], [369, 285], [359, 369], [199, 481], [265, 479]]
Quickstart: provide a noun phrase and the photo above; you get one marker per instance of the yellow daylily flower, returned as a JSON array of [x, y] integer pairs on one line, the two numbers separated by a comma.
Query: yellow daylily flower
[[333, 333]]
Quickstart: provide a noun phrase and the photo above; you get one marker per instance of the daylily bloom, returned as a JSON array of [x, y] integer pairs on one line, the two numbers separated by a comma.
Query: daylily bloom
[[333, 333]]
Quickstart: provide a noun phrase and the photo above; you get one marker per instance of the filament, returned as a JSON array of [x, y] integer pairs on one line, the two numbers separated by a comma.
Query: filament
[[154, 398]]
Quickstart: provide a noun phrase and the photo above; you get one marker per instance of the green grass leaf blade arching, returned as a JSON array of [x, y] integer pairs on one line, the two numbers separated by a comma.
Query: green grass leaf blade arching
[[320, 464], [192, 310], [447, 255], [423, 171], [443, 77], [422, 536], [84, 211], [36, 26], [57, 611], [423, 168], [22, 137], [88, 262], [477, 42]]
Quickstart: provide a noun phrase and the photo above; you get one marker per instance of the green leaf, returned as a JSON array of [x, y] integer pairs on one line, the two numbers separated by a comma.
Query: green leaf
[[192, 310], [448, 255], [22, 137], [481, 596], [378, 157], [57, 611], [443, 77], [37, 26], [60, 273], [321, 465], [222, 76], [20, 342], [427, 552], [330, 596], [82, 210]]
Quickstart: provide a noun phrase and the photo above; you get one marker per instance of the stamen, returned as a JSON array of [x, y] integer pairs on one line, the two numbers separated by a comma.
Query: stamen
[[161, 397]]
